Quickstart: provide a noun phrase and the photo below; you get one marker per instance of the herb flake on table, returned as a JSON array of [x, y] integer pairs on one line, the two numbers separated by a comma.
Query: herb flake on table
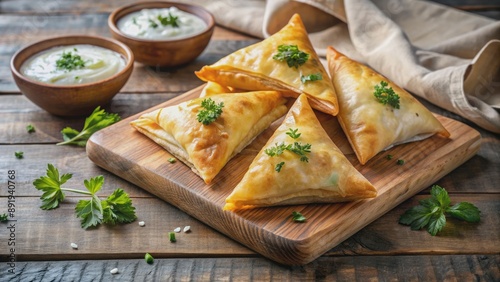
[[30, 128], [149, 258], [431, 213], [19, 154], [298, 217], [3, 217], [386, 95], [116, 208], [98, 120], [292, 55]]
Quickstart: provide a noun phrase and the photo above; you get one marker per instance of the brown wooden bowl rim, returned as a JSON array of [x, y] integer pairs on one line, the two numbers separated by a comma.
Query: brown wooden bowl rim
[[116, 15], [129, 57]]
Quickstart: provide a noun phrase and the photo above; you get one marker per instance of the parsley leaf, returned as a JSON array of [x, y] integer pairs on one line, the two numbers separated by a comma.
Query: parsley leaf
[[51, 187], [117, 208], [169, 20], [311, 77], [301, 150], [277, 149], [279, 166], [298, 217], [210, 112], [292, 55], [293, 133], [98, 120], [19, 154], [386, 95], [69, 61], [431, 212], [3, 217]]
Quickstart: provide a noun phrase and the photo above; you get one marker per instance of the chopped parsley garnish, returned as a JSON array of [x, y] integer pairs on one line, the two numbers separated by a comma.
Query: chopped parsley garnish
[[311, 77], [292, 55], [169, 20], [279, 166], [152, 24], [70, 61], [30, 128], [431, 213], [296, 148], [171, 160], [400, 162], [3, 217], [301, 150], [116, 208], [19, 154], [293, 133], [298, 217], [210, 112], [389, 157], [386, 95]]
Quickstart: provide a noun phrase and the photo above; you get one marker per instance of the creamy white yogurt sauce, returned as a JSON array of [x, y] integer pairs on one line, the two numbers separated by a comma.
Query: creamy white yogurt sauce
[[156, 24], [98, 63]]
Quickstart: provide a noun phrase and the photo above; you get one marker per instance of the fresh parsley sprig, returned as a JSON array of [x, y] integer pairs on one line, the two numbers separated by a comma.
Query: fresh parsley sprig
[[292, 55], [431, 213], [116, 208], [210, 112], [311, 77], [3, 217], [70, 61], [386, 95], [98, 120]]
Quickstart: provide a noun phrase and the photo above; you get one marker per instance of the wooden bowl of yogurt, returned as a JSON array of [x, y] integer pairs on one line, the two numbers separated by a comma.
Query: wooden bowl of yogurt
[[163, 34], [72, 75]]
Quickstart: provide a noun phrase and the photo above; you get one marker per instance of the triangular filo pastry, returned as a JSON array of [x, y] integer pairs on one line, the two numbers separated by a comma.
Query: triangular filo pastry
[[371, 126], [213, 88], [326, 177], [207, 148], [253, 68]]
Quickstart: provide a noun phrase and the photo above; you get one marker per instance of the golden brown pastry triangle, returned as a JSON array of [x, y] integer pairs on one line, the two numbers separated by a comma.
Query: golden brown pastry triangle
[[207, 148], [369, 125], [326, 177], [253, 68]]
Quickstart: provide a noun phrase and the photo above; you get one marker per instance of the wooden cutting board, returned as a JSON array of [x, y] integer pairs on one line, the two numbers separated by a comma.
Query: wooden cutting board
[[125, 152]]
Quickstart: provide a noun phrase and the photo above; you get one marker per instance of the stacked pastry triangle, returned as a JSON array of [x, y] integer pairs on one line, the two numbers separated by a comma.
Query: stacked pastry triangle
[[207, 148], [300, 163], [256, 68]]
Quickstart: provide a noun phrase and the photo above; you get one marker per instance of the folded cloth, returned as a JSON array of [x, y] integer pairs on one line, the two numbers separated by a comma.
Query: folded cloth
[[446, 56]]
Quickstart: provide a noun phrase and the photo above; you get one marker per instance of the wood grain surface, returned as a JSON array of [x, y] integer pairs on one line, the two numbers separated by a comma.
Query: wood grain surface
[[269, 231]]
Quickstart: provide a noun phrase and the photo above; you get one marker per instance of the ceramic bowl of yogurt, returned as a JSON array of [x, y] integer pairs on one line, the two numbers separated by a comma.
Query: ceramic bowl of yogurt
[[163, 34], [72, 75]]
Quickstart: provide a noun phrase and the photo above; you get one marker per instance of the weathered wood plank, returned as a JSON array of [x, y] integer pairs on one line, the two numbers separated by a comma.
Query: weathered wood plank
[[46, 235], [476, 267], [16, 111]]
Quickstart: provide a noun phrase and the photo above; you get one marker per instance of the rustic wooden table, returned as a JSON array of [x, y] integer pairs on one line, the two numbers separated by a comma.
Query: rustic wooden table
[[383, 250]]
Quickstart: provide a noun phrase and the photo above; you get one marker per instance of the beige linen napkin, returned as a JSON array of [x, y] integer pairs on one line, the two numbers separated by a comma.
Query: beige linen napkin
[[449, 57]]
